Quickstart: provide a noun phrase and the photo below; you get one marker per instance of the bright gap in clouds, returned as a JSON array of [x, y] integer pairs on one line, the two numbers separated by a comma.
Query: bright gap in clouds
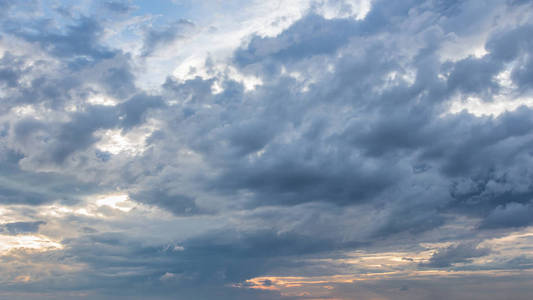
[[218, 33], [496, 107], [27, 241], [117, 201], [92, 206], [102, 100], [505, 100]]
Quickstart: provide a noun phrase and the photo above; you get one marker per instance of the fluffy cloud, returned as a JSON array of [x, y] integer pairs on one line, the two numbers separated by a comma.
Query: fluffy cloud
[[304, 154]]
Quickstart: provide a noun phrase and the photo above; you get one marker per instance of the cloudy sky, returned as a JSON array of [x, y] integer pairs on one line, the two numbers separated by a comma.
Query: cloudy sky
[[275, 150]]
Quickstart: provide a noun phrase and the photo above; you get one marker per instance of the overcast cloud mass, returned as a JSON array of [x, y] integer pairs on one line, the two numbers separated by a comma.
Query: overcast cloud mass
[[303, 149]]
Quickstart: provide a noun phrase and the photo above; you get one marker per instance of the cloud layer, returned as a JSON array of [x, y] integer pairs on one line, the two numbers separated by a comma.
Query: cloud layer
[[317, 150]]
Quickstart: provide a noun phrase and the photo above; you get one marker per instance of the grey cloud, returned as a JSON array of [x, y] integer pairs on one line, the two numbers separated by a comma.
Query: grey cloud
[[461, 253], [477, 144], [64, 139], [121, 7], [509, 215], [119, 80], [354, 152], [321, 37], [80, 39], [475, 76], [11, 70], [467, 146], [36, 188], [78, 134], [413, 219], [522, 75], [176, 203], [506, 45], [12, 195], [208, 263], [260, 244], [9, 77], [22, 227], [132, 112], [291, 181], [39, 83], [154, 38], [326, 162]]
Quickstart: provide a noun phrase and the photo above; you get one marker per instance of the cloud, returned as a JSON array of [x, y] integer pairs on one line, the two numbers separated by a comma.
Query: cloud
[[121, 7], [321, 37], [461, 253], [22, 227], [11, 70], [509, 215], [345, 159], [176, 203], [80, 39], [132, 112], [155, 39]]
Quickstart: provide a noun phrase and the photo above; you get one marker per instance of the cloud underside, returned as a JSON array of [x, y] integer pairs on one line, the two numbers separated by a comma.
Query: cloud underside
[[327, 161]]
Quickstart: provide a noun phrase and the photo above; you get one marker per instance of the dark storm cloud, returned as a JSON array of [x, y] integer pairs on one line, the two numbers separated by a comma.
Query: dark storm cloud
[[397, 123], [476, 145], [509, 215], [291, 180], [411, 218], [385, 137], [212, 261], [358, 162]]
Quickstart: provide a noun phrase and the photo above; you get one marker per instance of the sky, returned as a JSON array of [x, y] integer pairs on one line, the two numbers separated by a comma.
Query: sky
[[266, 150]]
